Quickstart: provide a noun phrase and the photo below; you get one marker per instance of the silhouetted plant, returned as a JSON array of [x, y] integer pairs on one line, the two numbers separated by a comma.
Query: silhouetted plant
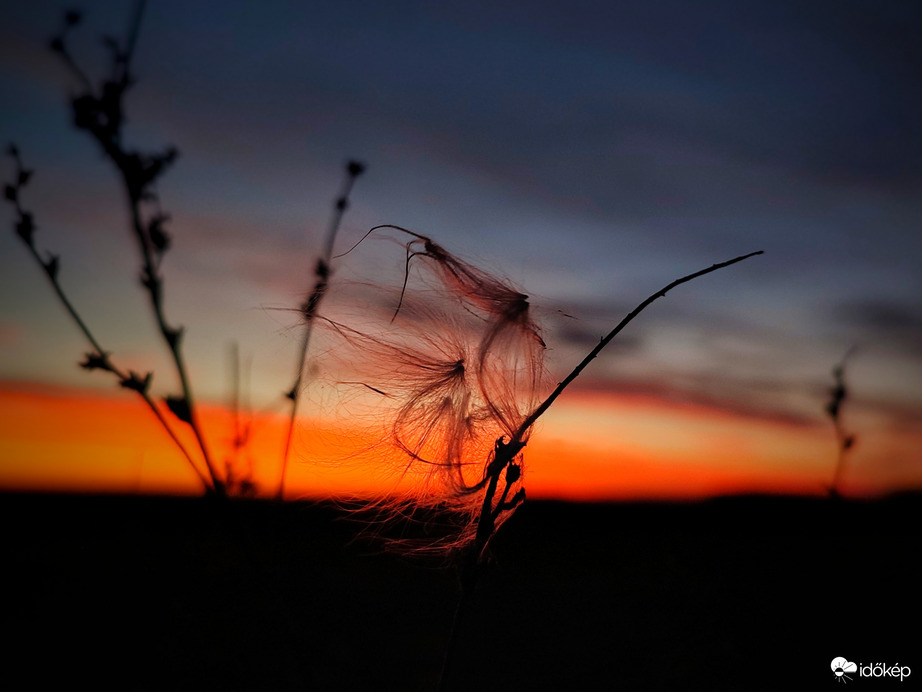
[[845, 441], [99, 111], [457, 378], [448, 375], [309, 308], [459, 384], [240, 483], [98, 358]]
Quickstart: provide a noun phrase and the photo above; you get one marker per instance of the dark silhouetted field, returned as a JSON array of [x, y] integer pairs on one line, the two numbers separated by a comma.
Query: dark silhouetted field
[[741, 593]]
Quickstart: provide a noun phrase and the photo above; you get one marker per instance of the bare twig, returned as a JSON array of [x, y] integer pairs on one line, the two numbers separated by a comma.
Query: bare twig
[[239, 484], [98, 359], [845, 441], [538, 412], [503, 464], [101, 113], [311, 305], [505, 453]]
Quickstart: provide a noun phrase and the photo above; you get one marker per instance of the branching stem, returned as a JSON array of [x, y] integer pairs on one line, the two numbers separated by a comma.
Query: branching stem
[[102, 358], [310, 307], [101, 114], [844, 440], [504, 455], [171, 336]]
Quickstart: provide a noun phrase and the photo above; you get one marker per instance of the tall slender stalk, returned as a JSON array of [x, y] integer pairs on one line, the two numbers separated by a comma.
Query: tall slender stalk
[[538, 412], [238, 484], [844, 440], [504, 464], [101, 114], [98, 359], [311, 305]]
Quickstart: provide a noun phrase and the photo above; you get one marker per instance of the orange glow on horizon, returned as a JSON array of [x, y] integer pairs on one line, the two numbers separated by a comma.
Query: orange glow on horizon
[[590, 446]]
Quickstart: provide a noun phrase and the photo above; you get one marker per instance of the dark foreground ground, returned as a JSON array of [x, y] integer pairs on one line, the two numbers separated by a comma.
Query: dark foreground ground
[[741, 594]]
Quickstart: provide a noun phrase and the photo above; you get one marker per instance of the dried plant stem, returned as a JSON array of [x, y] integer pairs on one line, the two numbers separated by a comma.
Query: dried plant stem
[[505, 452], [838, 394], [100, 359], [238, 484], [538, 412], [310, 307], [239, 439], [134, 30], [172, 336], [125, 378], [101, 114], [503, 462], [844, 444]]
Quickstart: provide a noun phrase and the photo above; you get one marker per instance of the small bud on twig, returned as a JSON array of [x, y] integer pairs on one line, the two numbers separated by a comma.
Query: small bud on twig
[[25, 228], [159, 238], [173, 336], [51, 267], [180, 408], [135, 382], [97, 361], [355, 168]]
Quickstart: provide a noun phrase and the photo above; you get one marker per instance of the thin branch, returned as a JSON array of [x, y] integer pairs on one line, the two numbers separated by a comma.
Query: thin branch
[[102, 116], [504, 456], [134, 31], [844, 440], [538, 412], [504, 453], [172, 336], [71, 19], [238, 484], [100, 359], [310, 307]]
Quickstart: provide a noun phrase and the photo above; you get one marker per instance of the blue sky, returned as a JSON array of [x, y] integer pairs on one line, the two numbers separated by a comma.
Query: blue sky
[[590, 152]]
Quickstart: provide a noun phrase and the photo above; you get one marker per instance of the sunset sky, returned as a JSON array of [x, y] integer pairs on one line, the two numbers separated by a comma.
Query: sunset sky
[[588, 152]]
